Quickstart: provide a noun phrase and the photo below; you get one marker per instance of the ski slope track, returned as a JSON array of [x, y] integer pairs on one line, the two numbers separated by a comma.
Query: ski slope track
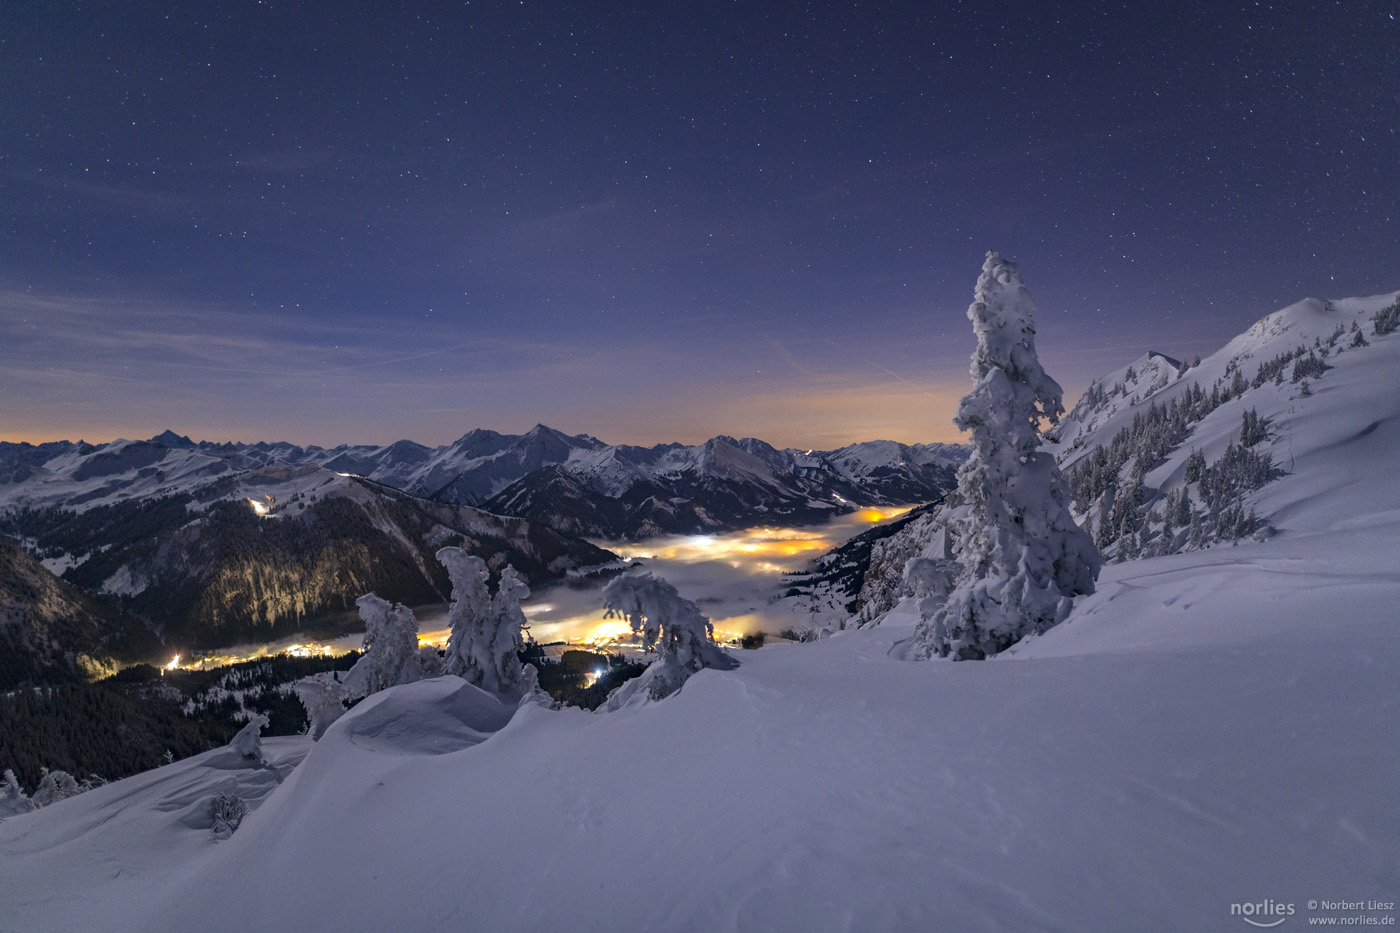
[[1207, 729]]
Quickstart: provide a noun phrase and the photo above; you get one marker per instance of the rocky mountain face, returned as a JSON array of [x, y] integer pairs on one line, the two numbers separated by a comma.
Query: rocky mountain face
[[50, 632]]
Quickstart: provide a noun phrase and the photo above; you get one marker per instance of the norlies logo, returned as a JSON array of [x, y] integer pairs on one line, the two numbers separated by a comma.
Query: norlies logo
[[1264, 910]]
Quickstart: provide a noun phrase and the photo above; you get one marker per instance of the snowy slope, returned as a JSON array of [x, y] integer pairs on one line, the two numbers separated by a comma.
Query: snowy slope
[[1191, 739], [1330, 437], [1110, 403], [1208, 729], [1323, 433]]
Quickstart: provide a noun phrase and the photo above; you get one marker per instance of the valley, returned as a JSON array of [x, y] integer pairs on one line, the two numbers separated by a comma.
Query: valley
[[737, 578]]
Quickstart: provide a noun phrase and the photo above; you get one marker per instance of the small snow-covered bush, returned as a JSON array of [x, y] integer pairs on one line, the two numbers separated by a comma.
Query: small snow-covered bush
[[248, 741], [55, 786], [227, 812]]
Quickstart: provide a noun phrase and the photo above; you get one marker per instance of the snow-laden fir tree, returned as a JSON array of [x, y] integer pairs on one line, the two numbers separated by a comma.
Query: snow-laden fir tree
[[1023, 557], [391, 648], [226, 814], [487, 632], [55, 786], [670, 625], [508, 638], [391, 658], [13, 799], [323, 696], [471, 603], [248, 741]]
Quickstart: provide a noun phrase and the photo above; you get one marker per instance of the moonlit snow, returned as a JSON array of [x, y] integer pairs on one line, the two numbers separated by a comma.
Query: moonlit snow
[[1207, 728]]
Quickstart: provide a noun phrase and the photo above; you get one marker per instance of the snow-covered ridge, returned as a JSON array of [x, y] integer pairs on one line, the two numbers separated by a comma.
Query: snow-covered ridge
[[1286, 424], [469, 471], [576, 484], [1110, 401]]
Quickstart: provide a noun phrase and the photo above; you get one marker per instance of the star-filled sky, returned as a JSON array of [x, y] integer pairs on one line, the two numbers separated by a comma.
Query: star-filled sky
[[358, 221]]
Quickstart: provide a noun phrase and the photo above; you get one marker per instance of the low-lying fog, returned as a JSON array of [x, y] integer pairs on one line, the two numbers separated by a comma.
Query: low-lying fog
[[733, 578]]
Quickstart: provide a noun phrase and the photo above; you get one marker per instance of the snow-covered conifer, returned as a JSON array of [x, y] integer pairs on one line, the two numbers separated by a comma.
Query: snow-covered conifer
[[1195, 466], [487, 632], [391, 648], [508, 637], [1387, 320], [13, 799], [433, 663], [1023, 556], [248, 741], [471, 604], [55, 786], [324, 698], [930, 580], [670, 625]]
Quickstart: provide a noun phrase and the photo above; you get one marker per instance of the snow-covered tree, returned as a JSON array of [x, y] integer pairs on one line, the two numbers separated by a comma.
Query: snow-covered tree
[[1023, 558], [487, 632], [510, 627], [390, 645], [1387, 320], [13, 799], [55, 786], [248, 741], [323, 696], [391, 657], [471, 603], [226, 812], [670, 625]]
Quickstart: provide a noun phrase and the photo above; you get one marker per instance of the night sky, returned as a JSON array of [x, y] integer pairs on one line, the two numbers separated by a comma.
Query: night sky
[[357, 222]]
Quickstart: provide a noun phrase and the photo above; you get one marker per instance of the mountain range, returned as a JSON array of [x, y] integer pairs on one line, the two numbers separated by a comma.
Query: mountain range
[[576, 483], [217, 543]]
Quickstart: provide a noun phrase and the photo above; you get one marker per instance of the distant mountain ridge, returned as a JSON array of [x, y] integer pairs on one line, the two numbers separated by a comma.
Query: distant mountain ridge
[[578, 483]]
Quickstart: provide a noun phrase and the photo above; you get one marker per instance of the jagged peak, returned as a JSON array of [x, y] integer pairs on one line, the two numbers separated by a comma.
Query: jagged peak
[[169, 438]]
